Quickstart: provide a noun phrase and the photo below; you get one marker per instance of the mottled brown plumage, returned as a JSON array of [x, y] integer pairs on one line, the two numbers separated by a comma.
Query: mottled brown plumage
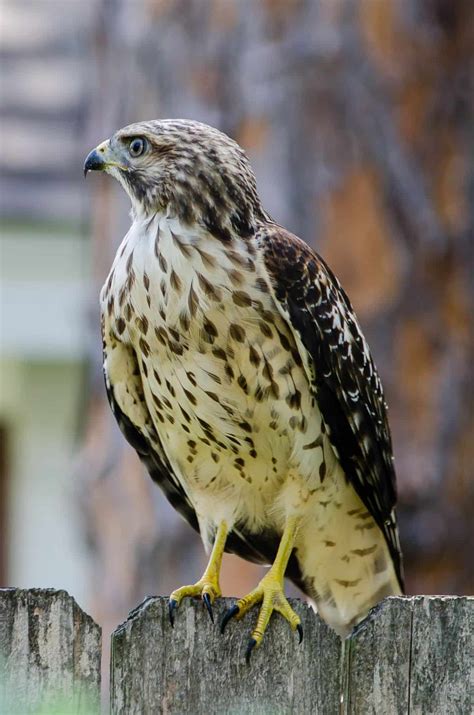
[[236, 367]]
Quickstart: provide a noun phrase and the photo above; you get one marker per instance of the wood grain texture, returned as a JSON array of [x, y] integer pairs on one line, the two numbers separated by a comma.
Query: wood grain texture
[[194, 669], [411, 655], [442, 655], [377, 661], [50, 653]]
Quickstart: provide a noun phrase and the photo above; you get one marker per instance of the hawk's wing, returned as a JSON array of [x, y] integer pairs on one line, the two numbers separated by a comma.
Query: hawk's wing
[[340, 370], [136, 426]]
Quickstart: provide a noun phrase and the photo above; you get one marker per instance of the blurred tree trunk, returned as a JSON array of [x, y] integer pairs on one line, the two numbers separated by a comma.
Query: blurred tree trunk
[[358, 120]]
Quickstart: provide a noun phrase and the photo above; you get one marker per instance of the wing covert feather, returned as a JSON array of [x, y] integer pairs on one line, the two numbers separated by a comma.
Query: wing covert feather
[[341, 372]]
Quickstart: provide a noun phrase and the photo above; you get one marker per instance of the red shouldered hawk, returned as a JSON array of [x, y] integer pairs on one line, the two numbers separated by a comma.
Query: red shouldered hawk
[[235, 366]]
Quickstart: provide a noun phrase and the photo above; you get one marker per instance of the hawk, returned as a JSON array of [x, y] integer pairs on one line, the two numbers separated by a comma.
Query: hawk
[[235, 366]]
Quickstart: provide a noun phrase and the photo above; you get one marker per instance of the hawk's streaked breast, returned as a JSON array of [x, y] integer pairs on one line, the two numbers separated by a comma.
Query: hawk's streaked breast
[[222, 380]]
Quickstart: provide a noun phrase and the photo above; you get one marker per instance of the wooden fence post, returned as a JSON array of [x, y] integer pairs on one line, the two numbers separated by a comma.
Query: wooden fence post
[[50, 653], [192, 668], [412, 655]]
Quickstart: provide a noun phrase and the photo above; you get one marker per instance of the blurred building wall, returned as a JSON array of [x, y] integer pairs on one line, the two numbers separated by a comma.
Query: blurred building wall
[[44, 290], [39, 404], [43, 300]]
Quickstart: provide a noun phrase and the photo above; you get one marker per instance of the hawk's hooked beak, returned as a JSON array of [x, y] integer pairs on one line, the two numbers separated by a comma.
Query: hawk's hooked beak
[[101, 158]]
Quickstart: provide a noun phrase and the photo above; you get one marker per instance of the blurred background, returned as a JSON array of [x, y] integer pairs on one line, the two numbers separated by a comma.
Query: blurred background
[[358, 118]]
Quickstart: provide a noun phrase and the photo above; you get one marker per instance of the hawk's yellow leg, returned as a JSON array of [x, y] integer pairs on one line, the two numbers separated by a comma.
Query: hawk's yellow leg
[[270, 593], [208, 585]]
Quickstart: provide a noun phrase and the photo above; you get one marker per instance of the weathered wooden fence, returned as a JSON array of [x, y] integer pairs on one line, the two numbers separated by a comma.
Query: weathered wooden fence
[[50, 654], [413, 655]]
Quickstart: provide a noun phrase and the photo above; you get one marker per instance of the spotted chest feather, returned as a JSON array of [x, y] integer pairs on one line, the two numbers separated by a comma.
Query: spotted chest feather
[[222, 379]]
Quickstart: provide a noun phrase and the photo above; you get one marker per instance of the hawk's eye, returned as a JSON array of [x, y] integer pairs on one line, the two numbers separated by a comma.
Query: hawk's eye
[[137, 146]]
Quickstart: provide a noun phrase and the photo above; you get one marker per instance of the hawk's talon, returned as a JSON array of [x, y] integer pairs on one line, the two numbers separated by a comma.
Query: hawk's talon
[[205, 589], [172, 606], [270, 595], [208, 603], [251, 645], [299, 628], [230, 613]]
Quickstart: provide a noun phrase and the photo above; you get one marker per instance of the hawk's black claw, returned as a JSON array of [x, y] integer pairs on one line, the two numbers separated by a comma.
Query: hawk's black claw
[[172, 606], [228, 615], [207, 602], [251, 645], [299, 628]]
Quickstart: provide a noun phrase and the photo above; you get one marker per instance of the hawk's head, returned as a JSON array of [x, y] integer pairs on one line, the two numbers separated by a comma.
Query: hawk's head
[[183, 168]]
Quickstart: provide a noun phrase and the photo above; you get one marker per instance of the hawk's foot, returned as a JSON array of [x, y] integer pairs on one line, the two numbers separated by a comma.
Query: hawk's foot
[[270, 594], [208, 586], [207, 589]]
